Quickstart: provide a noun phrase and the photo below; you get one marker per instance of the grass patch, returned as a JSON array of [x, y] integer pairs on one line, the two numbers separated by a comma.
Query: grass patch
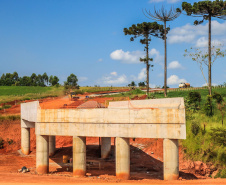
[[130, 94], [10, 118], [99, 89], [5, 107], [20, 93]]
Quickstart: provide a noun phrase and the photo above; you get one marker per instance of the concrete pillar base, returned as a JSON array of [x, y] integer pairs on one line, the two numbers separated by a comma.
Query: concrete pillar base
[[25, 140], [79, 156], [52, 145], [105, 147], [42, 154], [122, 158], [171, 159]]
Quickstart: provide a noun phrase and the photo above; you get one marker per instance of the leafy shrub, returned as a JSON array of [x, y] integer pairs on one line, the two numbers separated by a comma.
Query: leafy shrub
[[219, 99], [195, 127], [193, 101], [137, 91], [218, 135], [208, 107]]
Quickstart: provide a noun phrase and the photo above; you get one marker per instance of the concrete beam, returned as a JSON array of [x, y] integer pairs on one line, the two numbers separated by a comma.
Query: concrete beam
[[122, 158], [124, 115], [52, 145], [140, 123], [151, 103], [105, 147], [170, 159], [138, 130], [25, 140], [79, 156], [42, 154]]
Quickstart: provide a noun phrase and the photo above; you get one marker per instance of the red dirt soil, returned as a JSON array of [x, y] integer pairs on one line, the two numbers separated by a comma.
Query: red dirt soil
[[146, 157]]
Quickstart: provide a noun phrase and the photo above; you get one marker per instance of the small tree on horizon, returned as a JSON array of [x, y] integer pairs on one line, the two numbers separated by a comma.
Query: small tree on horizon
[[206, 10], [145, 30]]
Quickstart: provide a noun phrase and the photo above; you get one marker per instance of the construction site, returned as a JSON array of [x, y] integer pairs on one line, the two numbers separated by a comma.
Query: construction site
[[89, 140]]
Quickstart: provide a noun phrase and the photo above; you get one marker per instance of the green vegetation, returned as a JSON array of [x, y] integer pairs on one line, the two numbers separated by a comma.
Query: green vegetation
[[130, 94], [10, 118], [13, 79], [13, 93], [99, 89]]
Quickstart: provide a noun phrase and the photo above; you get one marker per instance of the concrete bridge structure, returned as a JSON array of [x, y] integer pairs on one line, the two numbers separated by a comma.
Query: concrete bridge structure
[[156, 118]]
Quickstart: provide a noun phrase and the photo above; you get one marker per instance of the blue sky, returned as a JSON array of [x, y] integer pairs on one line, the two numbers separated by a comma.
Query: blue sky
[[85, 37]]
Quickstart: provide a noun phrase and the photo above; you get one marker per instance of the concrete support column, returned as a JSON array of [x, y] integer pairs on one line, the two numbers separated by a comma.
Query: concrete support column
[[122, 158], [171, 159], [42, 154], [25, 140], [52, 145], [105, 147], [79, 156]]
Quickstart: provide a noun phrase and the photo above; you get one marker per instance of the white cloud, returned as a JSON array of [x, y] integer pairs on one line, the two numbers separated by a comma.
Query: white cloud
[[175, 80], [188, 32], [82, 79], [203, 42], [113, 79], [114, 73], [100, 60], [127, 57], [157, 57], [168, 1], [142, 75], [175, 65]]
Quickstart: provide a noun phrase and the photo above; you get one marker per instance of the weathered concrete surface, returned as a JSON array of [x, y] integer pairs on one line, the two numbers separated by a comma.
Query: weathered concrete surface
[[105, 147], [79, 156], [42, 154], [29, 111], [151, 103], [122, 158], [141, 123], [25, 140], [171, 159]]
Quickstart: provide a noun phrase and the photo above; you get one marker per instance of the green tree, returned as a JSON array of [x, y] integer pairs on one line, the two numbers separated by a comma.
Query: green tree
[[132, 84], [72, 81], [206, 10], [33, 79], [45, 78], [53, 80], [25, 81], [141, 84], [164, 16], [145, 30]]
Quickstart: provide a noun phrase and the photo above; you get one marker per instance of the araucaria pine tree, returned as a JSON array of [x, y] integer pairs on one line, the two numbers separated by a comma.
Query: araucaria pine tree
[[206, 10], [145, 30], [164, 16]]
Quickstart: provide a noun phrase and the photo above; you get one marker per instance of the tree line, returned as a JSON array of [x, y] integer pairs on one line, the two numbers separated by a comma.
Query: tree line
[[13, 79]]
